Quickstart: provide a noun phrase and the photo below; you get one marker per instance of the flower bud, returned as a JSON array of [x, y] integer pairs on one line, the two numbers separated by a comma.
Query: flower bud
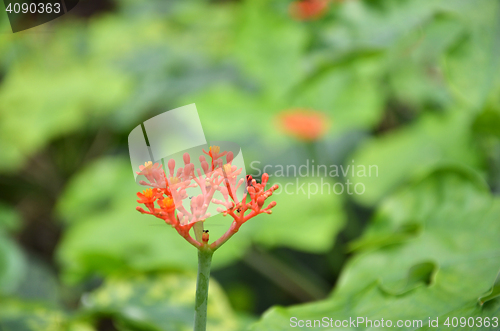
[[265, 178], [186, 158], [229, 157], [171, 166], [204, 166]]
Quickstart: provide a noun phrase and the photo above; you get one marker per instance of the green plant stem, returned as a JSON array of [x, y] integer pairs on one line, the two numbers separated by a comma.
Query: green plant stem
[[200, 309]]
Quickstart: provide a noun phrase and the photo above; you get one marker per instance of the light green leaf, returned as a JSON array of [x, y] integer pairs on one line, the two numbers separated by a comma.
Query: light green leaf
[[10, 220], [29, 316], [410, 151], [472, 65], [12, 260], [52, 92], [446, 267], [12, 265], [349, 93], [270, 46], [307, 217], [492, 294], [159, 302]]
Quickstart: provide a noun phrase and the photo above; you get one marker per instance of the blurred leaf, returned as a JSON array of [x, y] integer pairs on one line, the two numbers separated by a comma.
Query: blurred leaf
[[492, 294], [12, 265], [25, 316], [270, 46], [103, 185], [472, 65], [122, 240], [418, 275], [488, 123], [160, 302], [167, 58], [307, 217], [458, 240], [365, 26], [51, 89], [38, 282], [10, 221], [348, 92], [12, 260], [414, 68], [376, 240], [220, 105], [400, 155]]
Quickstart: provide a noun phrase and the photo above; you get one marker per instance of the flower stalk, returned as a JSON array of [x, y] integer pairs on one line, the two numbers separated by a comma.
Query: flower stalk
[[217, 183], [202, 282]]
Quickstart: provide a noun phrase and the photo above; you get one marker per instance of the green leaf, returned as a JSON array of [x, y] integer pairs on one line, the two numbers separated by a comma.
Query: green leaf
[[10, 220], [107, 184], [12, 265], [38, 282], [492, 294], [116, 240], [349, 93], [307, 217], [444, 268], [270, 46], [419, 274], [28, 316], [218, 105], [408, 152], [159, 302], [488, 123], [472, 65], [52, 92]]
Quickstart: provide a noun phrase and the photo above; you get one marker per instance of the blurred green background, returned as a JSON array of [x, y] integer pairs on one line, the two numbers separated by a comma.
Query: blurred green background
[[411, 86]]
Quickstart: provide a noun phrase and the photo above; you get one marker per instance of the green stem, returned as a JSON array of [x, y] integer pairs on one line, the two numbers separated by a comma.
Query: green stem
[[200, 309]]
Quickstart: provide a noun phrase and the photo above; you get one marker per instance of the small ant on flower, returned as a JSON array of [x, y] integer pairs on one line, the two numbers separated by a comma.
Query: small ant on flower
[[249, 180]]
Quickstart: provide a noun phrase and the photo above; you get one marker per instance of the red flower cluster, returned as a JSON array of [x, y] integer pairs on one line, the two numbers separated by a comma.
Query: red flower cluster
[[170, 191]]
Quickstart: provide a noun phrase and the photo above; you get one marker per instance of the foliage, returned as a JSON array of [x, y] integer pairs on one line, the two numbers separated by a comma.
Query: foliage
[[160, 302], [410, 86], [441, 269]]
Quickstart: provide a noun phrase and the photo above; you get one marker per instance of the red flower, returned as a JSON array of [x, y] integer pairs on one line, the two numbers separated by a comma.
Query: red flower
[[167, 204], [148, 197], [307, 10], [304, 124], [219, 178]]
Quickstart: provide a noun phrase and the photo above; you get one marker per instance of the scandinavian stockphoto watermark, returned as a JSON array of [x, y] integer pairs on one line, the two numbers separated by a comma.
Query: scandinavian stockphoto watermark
[[331, 178]]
